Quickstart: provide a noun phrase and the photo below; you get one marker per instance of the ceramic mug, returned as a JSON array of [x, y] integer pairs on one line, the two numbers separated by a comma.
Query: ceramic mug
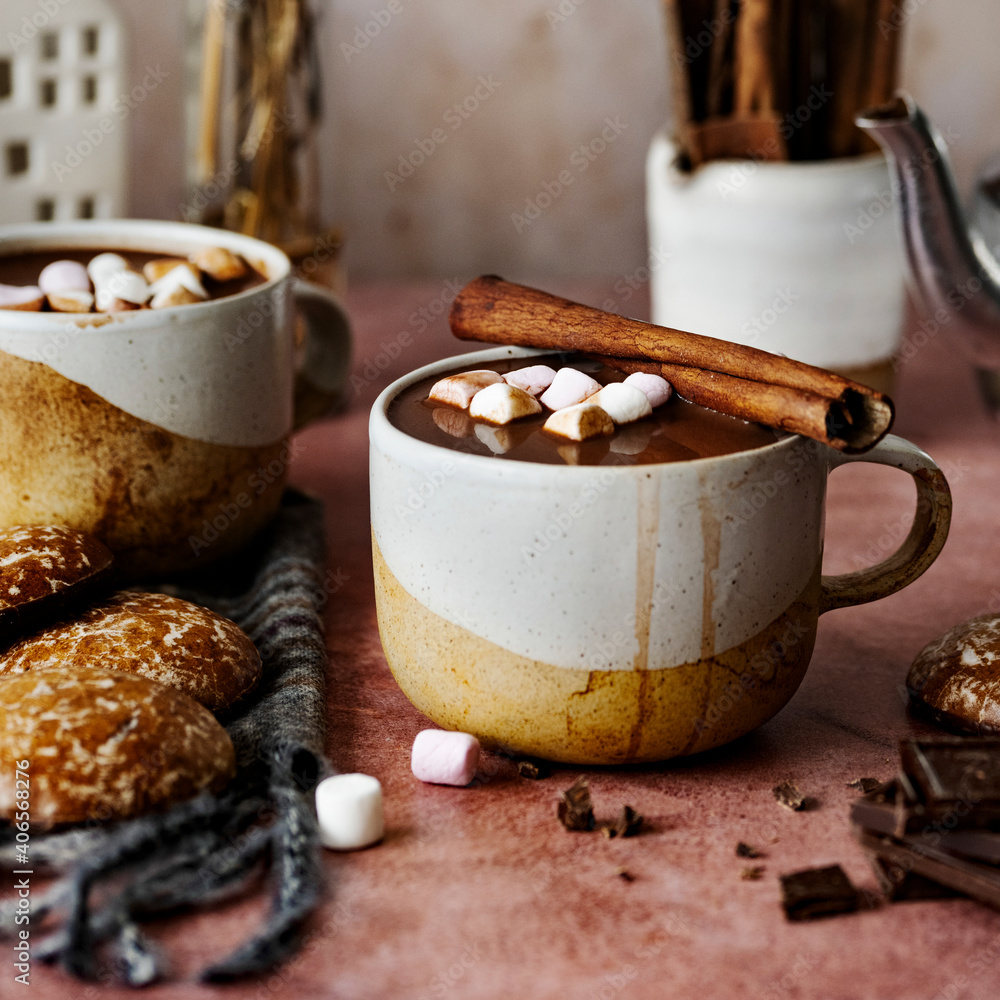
[[165, 432], [613, 614], [798, 258]]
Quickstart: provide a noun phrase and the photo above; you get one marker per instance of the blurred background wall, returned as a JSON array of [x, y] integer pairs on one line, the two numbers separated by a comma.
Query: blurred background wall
[[533, 118]]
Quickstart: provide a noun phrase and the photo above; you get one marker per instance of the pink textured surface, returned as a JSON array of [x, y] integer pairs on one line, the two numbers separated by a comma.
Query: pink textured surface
[[480, 893], [444, 758]]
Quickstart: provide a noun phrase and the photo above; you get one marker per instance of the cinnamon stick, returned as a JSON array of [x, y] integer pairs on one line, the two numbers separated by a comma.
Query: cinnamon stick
[[731, 378]]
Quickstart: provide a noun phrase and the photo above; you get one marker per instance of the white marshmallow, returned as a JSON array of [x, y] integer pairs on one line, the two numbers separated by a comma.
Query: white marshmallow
[[568, 388], [501, 403], [27, 298], [64, 276], [218, 263], [444, 758], [104, 265], [534, 379], [179, 286], [349, 811], [118, 288], [657, 389], [623, 403], [579, 422], [71, 301], [153, 270], [458, 390]]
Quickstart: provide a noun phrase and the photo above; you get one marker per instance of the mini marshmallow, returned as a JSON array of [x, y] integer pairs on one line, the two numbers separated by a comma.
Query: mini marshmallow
[[218, 263], [568, 388], [623, 403], [534, 379], [501, 403], [453, 422], [64, 276], [153, 270], [349, 811], [104, 265], [658, 390], [458, 390], [71, 301], [179, 286], [26, 298], [444, 758], [579, 422], [120, 290]]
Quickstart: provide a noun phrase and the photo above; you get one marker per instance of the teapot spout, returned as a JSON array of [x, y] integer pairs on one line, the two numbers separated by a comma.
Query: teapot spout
[[954, 276]]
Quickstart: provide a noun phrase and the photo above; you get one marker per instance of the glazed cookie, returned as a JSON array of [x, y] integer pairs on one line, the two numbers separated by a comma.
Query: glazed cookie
[[956, 678], [163, 638], [44, 569], [96, 744]]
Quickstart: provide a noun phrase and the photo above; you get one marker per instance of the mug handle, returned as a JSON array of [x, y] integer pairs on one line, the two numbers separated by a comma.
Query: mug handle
[[920, 547], [322, 374]]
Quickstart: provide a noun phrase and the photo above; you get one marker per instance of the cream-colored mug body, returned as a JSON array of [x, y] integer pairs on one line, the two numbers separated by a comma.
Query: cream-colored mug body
[[613, 614]]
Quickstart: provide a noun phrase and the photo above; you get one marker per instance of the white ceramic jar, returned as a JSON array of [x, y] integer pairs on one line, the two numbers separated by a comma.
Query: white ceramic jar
[[798, 258]]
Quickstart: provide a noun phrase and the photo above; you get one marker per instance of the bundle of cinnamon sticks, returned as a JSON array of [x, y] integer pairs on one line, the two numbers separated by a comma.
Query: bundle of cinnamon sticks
[[741, 381], [779, 79]]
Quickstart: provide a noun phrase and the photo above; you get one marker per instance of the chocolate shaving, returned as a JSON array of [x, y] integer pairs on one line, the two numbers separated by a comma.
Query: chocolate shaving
[[628, 824], [752, 874], [625, 874], [788, 795], [575, 810], [817, 892], [746, 851], [864, 785], [531, 769]]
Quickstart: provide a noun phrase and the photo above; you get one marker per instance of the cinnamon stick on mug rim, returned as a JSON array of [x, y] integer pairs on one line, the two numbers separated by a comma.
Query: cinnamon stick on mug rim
[[732, 378]]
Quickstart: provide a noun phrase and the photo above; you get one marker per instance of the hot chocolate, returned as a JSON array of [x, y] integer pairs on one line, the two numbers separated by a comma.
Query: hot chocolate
[[675, 432]]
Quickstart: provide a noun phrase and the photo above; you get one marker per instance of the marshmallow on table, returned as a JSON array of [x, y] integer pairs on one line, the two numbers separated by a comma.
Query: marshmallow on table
[[623, 403], [534, 379], [568, 388], [219, 263], [458, 390], [27, 298], [349, 811], [657, 389], [579, 422], [441, 757], [501, 403]]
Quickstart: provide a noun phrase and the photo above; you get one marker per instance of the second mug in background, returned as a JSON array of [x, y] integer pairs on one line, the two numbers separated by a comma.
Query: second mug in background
[[164, 432]]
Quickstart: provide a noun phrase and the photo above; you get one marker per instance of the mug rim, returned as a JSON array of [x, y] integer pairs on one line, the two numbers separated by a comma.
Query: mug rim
[[150, 235], [385, 435]]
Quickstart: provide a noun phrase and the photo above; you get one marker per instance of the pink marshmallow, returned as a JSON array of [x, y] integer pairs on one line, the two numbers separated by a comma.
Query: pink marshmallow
[[568, 388], [534, 379], [26, 297], [64, 276], [444, 758], [658, 390]]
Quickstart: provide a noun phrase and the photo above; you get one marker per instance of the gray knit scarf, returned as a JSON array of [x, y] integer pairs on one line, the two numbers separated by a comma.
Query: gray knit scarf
[[115, 876]]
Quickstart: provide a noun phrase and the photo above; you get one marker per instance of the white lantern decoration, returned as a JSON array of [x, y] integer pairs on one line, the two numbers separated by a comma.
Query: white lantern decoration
[[64, 110]]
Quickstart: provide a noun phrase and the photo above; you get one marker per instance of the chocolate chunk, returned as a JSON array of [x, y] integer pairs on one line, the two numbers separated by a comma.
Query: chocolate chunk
[[628, 824], [971, 878], [746, 851], [902, 885], [790, 797], [817, 892], [625, 874], [864, 785], [752, 874], [575, 810], [950, 780], [533, 770], [885, 811]]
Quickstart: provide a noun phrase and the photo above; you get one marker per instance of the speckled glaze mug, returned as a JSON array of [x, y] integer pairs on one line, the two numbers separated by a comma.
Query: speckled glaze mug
[[165, 432], [613, 614]]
